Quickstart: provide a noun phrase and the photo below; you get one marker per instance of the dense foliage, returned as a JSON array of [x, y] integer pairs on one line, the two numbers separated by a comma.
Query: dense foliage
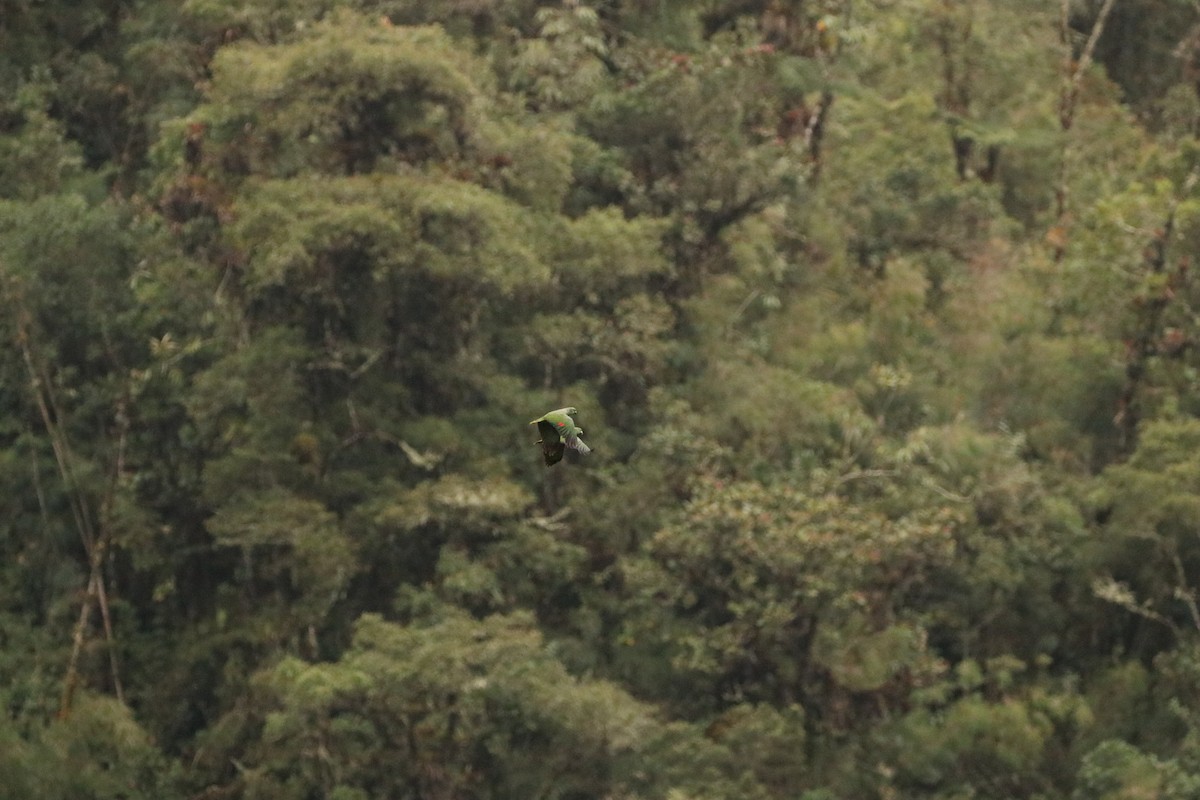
[[879, 315]]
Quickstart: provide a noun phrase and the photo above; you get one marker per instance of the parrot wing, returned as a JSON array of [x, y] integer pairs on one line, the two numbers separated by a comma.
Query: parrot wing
[[552, 445], [575, 443], [547, 430], [553, 453]]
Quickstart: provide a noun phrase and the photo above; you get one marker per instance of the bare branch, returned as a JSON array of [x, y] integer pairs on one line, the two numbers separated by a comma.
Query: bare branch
[[1119, 594]]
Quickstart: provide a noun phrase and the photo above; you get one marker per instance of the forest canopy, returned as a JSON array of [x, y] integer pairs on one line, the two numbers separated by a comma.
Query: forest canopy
[[879, 317]]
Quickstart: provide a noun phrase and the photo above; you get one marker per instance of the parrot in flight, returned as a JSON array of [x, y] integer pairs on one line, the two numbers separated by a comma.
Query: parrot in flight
[[559, 432]]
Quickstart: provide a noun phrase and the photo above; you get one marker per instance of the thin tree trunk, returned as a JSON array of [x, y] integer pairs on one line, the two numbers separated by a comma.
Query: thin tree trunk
[[1144, 342], [1073, 72], [814, 133], [77, 638], [93, 542], [62, 457]]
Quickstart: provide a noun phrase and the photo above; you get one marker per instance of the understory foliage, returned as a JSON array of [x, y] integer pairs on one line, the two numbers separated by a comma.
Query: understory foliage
[[881, 318]]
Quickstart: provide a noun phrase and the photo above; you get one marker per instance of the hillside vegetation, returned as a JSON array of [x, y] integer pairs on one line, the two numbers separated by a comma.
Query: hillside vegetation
[[879, 315]]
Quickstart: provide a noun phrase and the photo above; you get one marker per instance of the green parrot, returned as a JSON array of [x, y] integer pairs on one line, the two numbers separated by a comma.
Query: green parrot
[[559, 432]]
